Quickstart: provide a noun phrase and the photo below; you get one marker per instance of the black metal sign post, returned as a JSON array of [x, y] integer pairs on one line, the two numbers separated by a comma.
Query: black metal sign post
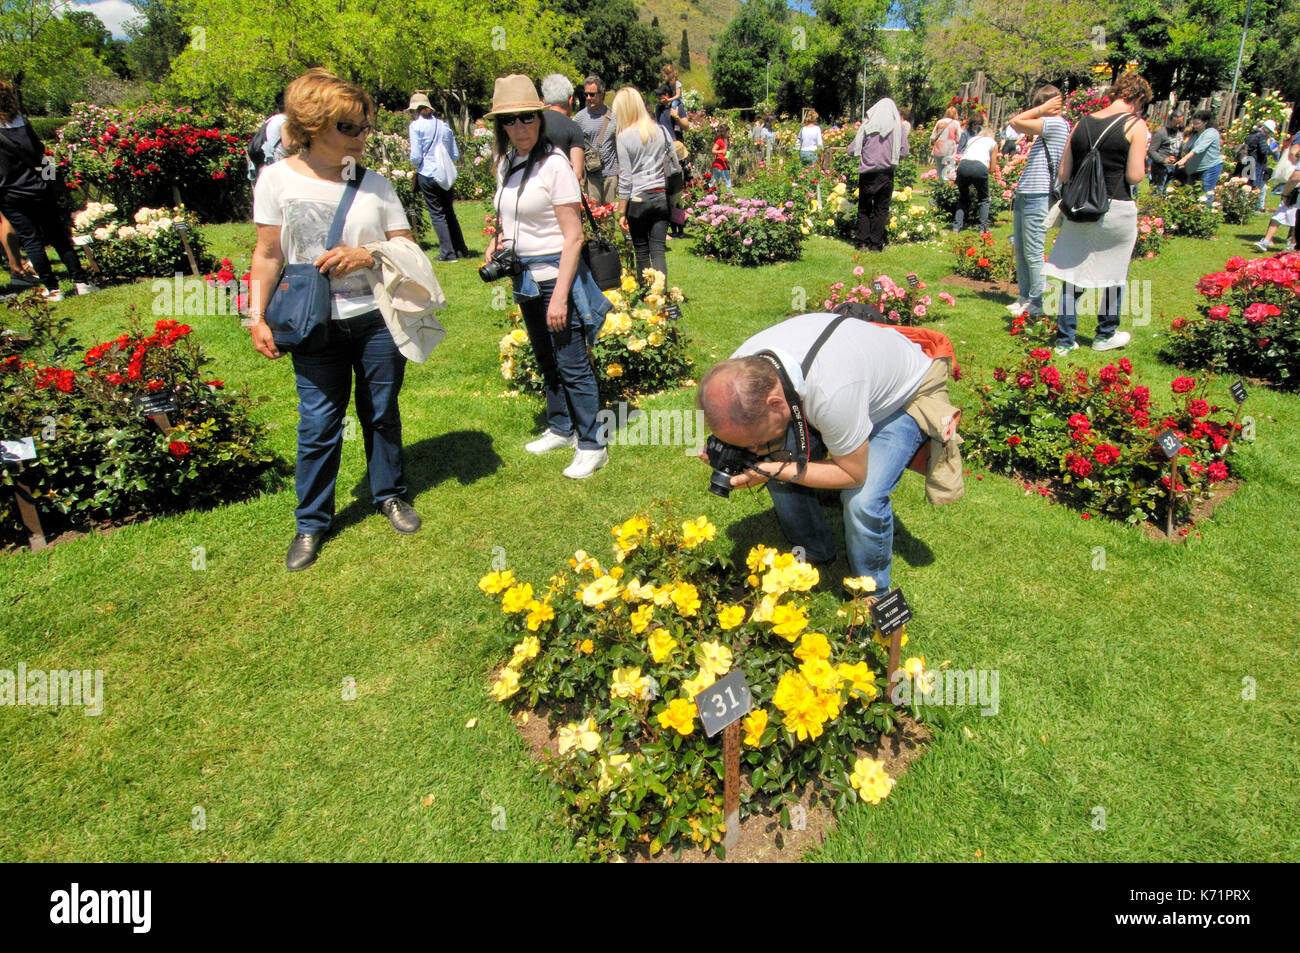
[[1170, 444], [721, 706], [889, 613]]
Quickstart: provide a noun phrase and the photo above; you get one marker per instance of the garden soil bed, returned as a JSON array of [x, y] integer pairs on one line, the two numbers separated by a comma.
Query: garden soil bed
[[1008, 288], [762, 837]]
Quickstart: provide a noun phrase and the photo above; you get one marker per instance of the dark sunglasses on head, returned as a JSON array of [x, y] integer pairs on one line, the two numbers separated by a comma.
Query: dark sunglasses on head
[[351, 129], [527, 119]]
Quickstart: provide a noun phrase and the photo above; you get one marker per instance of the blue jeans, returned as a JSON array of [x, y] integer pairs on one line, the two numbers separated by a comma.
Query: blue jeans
[[1108, 305], [1160, 175], [442, 214], [572, 396], [362, 344], [868, 512], [37, 222], [1260, 182], [1029, 213], [1210, 177]]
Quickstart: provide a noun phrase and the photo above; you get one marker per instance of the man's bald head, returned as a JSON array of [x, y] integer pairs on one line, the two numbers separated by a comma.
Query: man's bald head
[[734, 392]]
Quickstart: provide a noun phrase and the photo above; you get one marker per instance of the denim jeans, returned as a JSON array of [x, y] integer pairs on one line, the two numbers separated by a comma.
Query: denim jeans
[[362, 344], [1160, 175], [572, 397], [1261, 182], [442, 213], [647, 224], [1210, 177], [1108, 307], [721, 177], [39, 222], [868, 512], [1029, 214]]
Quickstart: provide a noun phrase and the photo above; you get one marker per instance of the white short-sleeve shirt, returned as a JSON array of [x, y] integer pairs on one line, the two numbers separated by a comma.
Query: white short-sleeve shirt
[[304, 208], [861, 375], [535, 229], [980, 149]]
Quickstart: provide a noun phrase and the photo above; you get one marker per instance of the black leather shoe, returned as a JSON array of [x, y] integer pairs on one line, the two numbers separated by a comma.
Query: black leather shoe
[[401, 514], [303, 551]]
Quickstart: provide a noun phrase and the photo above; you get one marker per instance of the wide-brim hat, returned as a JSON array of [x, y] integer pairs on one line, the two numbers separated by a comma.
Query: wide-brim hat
[[514, 94], [419, 101], [1270, 125]]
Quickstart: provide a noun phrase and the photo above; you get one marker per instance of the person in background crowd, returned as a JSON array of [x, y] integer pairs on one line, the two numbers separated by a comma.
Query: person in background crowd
[[1162, 148], [669, 74], [1010, 139], [600, 131], [29, 201], [878, 145], [810, 139], [671, 114], [294, 204], [905, 119], [721, 170], [1095, 255], [21, 273], [561, 131], [1261, 146], [1286, 208], [943, 141], [1034, 191], [425, 132], [964, 135], [978, 160], [1204, 160], [539, 202], [272, 147], [642, 198], [767, 135]]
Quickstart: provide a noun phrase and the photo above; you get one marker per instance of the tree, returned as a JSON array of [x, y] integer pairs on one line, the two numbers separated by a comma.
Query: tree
[[755, 36], [613, 44], [157, 37], [43, 52], [684, 60]]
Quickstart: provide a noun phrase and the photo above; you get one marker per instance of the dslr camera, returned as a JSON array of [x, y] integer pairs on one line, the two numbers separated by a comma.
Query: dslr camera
[[727, 461], [504, 264]]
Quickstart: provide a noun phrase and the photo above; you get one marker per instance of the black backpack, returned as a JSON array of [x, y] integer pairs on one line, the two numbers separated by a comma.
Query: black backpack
[[256, 157], [1085, 197]]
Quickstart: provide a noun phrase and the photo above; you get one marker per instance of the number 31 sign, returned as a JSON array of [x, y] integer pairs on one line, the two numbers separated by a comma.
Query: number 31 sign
[[724, 702]]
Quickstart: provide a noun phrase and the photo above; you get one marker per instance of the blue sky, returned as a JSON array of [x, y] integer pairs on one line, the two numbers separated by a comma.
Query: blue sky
[[112, 13]]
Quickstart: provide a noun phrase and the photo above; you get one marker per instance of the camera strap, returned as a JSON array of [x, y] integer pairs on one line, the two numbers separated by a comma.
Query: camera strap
[[527, 166]]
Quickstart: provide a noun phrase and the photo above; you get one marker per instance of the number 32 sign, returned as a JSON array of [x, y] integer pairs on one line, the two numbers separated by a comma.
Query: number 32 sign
[[724, 702]]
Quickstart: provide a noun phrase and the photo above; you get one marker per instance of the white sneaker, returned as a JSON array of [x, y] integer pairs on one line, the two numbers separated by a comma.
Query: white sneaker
[[1263, 246], [86, 288], [585, 463], [551, 440], [1062, 350], [52, 296], [1018, 309], [1118, 339]]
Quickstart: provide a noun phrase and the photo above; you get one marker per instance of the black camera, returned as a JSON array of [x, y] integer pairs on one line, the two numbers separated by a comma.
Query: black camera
[[727, 461], [504, 264]]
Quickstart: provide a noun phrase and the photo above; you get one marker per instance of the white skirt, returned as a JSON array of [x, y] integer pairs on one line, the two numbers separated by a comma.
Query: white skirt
[[1095, 254]]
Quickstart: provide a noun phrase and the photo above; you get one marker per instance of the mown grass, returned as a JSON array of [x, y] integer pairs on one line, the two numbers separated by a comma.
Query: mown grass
[[1121, 688]]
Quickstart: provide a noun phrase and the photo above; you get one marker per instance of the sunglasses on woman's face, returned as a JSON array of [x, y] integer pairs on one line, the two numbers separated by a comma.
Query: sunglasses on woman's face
[[352, 129], [527, 119]]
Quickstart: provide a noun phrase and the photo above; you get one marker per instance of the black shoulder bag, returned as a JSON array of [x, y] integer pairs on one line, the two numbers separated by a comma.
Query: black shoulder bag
[[601, 256]]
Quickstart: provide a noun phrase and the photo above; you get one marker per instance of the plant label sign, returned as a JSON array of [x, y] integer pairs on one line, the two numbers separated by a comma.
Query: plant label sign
[[724, 702], [13, 451], [890, 612], [147, 405], [1170, 444], [877, 287], [913, 280], [1238, 391], [673, 312]]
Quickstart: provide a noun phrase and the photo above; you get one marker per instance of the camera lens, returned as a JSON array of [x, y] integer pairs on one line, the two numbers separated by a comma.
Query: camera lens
[[720, 484]]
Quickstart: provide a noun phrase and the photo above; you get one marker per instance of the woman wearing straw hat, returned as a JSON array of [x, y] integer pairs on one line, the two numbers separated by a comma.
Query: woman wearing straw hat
[[537, 203], [426, 133]]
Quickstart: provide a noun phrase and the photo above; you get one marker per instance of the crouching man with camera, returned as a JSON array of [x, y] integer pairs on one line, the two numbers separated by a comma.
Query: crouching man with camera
[[834, 402]]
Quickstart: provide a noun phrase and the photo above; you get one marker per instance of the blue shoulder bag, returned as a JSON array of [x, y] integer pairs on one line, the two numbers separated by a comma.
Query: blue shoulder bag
[[298, 313]]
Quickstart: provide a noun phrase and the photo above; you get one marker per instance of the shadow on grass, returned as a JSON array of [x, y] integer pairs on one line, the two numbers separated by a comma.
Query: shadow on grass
[[464, 455]]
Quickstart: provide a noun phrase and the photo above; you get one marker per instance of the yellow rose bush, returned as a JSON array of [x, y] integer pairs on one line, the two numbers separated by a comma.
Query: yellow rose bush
[[639, 350], [616, 649]]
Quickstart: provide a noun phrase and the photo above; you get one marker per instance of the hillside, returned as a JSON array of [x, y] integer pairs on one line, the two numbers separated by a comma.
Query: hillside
[[704, 21]]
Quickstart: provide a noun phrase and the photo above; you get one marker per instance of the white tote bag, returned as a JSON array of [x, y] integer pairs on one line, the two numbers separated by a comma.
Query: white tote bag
[[447, 170], [1284, 169]]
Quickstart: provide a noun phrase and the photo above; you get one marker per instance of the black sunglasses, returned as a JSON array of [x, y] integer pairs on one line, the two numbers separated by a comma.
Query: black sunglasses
[[351, 129], [527, 119]]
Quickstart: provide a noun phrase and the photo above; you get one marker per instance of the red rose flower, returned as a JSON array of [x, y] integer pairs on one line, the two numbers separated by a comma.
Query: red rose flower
[[1105, 454], [1025, 380], [1079, 466], [1198, 408], [999, 373], [970, 252], [1078, 422], [1013, 441], [178, 449], [1126, 365], [1182, 385], [1050, 376], [1218, 471], [1219, 312], [1259, 313], [1108, 374], [1041, 354], [983, 262]]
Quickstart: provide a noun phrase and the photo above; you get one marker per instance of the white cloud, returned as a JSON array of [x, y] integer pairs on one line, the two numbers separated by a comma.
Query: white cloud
[[112, 13]]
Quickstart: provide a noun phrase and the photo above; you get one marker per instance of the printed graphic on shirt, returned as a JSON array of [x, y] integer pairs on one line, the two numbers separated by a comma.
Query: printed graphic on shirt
[[306, 226]]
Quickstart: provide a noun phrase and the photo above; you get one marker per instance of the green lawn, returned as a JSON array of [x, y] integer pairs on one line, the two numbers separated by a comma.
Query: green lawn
[[1120, 689]]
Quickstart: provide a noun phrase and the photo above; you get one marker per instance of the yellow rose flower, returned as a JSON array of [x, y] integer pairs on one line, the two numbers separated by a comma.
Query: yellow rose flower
[[792, 692], [788, 621], [763, 611], [636, 591], [870, 780], [577, 734], [860, 584], [697, 531], [619, 764], [507, 684], [596, 594], [861, 679], [759, 557], [661, 643], [539, 612], [495, 582], [614, 370], [687, 599], [755, 724], [883, 640], [820, 675], [630, 534], [813, 645], [525, 651], [699, 683], [628, 285], [730, 616], [679, 715], [805, 722], [636, 344], [914, 666], [655, 338], [586, 646], [662, 596], [627, 683], [641, 620], [517, 598], [713, 657]]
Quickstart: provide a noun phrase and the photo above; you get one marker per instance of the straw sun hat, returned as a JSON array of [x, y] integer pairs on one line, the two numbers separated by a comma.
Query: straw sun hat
[[514, 94], [419, 101]]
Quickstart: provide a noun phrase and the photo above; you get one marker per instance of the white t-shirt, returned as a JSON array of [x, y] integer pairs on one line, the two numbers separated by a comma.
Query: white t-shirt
[[980, 149], [304, 208], [550, 183], [861, 375], [810, 138]]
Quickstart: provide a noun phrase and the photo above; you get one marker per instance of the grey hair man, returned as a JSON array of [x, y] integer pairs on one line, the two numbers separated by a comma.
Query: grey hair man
[[561, 131]]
